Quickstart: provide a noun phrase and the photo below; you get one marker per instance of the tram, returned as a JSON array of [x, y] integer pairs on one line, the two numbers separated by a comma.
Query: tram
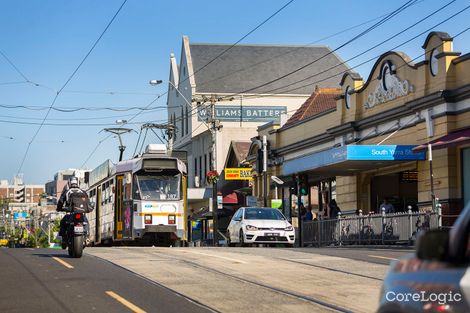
[[142, 200]]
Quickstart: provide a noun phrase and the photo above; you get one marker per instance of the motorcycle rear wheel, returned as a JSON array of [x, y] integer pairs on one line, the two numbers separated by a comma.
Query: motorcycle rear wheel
[[76, 250]]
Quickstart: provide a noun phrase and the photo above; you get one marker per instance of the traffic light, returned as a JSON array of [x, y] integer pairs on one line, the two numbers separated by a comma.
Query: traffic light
[[303, 185]]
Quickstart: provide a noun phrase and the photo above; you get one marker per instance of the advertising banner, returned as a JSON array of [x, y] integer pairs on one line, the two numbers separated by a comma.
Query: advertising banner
[[237, 173]]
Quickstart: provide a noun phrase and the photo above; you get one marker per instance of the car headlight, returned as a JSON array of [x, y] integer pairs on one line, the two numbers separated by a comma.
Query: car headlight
[[250, 227], [289, 228]]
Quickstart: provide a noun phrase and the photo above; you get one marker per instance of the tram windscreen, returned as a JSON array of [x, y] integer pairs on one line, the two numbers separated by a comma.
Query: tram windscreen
[[158, 187]]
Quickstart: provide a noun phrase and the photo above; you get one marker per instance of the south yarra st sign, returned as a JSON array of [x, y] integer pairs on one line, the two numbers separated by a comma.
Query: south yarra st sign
[[245, 113]]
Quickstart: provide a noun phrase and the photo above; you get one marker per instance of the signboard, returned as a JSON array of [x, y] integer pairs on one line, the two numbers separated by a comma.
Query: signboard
[[352, 153], [409, 176], [237, 173], [219, 202], [385, 153], [20, 215], [248, 113], [251, 201], [276, 203]]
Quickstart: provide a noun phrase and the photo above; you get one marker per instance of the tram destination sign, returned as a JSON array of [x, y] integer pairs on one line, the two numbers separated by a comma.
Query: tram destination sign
[[234, 113]]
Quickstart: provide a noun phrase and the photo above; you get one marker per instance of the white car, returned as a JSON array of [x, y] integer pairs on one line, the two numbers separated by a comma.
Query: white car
[[260, 225]]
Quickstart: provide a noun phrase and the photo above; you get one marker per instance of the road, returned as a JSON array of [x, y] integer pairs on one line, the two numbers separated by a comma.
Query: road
[[148, 279], [47, 280], [264, 279]]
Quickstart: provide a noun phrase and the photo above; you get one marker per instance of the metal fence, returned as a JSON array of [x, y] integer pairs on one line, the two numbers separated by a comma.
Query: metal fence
[[372, 229]]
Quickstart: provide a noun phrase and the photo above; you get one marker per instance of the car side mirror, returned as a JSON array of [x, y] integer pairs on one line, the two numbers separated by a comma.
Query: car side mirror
[[238, 219], [433, 245]]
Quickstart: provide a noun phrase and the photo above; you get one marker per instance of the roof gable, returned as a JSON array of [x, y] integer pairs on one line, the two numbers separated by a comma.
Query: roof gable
[[321, 100], [246, 66]]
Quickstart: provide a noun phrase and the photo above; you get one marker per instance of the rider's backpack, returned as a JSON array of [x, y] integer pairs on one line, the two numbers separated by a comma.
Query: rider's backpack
[[77, 200]]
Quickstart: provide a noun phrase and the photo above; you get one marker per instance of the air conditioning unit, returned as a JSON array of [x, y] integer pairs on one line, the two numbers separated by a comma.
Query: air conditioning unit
[[197, 182]]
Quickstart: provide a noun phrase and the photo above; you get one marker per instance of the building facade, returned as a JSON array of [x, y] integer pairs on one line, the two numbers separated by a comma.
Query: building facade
[[380, 138], [249, 89]]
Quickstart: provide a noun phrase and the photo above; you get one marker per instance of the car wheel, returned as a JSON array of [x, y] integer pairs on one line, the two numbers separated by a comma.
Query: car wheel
[[241, 239]]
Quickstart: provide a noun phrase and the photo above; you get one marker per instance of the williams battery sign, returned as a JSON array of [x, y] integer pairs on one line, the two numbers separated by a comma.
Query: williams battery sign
[[233, 113]]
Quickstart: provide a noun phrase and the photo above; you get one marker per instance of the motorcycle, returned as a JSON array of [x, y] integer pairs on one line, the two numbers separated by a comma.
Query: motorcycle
[[75, 233]]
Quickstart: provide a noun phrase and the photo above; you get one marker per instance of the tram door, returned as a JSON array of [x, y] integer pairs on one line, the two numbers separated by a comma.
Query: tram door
[[98, 215], [119, 207]]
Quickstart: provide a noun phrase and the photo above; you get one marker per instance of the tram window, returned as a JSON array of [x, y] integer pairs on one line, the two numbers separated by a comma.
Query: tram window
[[158, 187]]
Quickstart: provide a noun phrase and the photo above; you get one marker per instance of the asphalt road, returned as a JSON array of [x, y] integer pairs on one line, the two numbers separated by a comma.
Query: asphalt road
[[47, 280]]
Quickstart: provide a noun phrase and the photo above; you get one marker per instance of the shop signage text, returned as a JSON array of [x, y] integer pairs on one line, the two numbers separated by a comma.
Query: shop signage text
[[352, 153], [248, 113], [237, 173], [396, 89]]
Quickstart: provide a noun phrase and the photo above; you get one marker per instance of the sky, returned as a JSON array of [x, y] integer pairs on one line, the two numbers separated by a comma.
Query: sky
[[46, 41]]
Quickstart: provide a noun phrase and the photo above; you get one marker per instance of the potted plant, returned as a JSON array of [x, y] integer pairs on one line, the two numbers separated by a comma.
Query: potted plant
[[212, 177]]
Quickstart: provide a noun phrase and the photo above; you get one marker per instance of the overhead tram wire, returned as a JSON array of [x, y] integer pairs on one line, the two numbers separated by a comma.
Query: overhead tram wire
[[239, 40], [408, 4], [296, 48], [367, 50], [67, 81], [368, 60]]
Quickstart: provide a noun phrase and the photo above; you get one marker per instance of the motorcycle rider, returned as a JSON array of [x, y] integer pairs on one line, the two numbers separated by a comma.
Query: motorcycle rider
[[72, 186]]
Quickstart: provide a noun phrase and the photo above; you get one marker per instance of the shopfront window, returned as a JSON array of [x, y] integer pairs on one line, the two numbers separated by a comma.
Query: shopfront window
[[466, 175]]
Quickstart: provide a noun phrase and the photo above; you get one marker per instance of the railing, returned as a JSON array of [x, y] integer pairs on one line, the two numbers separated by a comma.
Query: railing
[[371, 229]]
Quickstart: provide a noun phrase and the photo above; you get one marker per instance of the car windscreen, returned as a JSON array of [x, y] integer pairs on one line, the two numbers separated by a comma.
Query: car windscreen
[[158, 187], [263, 214]]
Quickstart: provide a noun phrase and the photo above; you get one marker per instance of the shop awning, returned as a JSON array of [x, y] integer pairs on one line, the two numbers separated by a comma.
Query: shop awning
[[352, 158], [452, 139], [230, 199]]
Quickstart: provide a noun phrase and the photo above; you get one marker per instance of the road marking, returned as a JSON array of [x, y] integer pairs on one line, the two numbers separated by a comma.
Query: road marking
[[126, 303], [67, 265], [382, 257], [29, 249], [215, 256]]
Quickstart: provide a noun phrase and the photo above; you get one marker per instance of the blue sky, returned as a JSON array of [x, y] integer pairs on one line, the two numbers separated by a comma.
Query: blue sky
[[47, 39]]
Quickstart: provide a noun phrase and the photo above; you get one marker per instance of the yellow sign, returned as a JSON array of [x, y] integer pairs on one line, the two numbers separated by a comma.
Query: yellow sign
[[238, 174]]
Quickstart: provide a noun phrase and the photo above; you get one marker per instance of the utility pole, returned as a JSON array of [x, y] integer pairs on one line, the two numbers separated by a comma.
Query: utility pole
[[214, 127], [265, 173]]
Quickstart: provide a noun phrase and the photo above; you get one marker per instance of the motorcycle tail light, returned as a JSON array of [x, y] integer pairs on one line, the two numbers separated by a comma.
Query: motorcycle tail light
[[148, 219], [171, 219], [78, 216]]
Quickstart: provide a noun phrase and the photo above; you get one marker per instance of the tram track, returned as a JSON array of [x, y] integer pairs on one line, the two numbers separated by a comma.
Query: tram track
[[291, 294]]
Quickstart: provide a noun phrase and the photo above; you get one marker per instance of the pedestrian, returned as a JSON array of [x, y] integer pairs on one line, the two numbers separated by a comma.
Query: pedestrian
[[308, 215], [333, 213], [387, 206], [334, 209]]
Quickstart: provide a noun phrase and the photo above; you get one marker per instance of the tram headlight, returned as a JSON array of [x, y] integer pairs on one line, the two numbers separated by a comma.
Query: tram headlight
[[171, 219], [148, 218]]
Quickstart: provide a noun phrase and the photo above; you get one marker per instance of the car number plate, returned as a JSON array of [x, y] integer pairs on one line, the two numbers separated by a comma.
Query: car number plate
[[78, 229], [271, 234]]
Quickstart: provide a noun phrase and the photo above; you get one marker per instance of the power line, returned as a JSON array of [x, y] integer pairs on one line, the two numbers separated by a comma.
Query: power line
[[75, 109], [66, 83], [15, 67], [238, 41], [365, 51], [371, 59], [383, 20], [251, 66]]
